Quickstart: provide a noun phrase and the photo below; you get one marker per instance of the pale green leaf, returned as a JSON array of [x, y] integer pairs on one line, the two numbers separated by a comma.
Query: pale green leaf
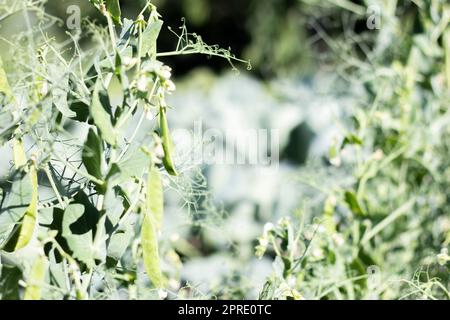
[[77, 229], [149, 38], [60, 87], [102, 117], [115, 92]]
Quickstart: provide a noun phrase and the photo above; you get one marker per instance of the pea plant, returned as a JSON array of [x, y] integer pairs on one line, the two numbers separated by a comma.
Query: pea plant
[[82, 206]]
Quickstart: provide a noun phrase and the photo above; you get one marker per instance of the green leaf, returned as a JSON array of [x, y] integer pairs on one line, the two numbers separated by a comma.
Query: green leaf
[[113, 7], [4, 84], [9, 282], [149, 38], [92, 154], [120, 240], [59, 91], [114, 204], [78, 228], [125, 33], [23, 232], [155, 196], [353, 203], [7, 124], [115, 92], [149, 242], [36, 278], [131, 166], [166, 143], [352, 139], [101, 117]]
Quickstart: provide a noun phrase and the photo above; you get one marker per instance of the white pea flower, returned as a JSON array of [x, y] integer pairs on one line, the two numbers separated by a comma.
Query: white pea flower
[[268, 227], [170, 86], [142, 84], [162, 294], [443, 257], [338, 239], [44, 88], [165, 72]]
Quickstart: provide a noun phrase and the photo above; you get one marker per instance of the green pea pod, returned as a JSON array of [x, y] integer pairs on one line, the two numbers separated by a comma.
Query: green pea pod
[[166, 143], [155, 196], [19, 153], [23, 232], [149, 242], [4, 84], [33, 290]]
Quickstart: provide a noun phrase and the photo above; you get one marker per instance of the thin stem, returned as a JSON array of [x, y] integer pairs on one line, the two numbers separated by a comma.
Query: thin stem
[[387, 221], [80, 172], [54, 187]]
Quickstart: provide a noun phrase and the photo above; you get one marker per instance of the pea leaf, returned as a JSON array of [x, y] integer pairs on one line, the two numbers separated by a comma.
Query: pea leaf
[[166, 143], [352, 139], [120, 240], [149, 37], [23, 232], [353, 203], [101, 117], [131, 166], [155, 197], [60, 86], [149, 242], [77, 229], [113, 7], [92, 154], [9, 282], [33, 290], [115, 92]]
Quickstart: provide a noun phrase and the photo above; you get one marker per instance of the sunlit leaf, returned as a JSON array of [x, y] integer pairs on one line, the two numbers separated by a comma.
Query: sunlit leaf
[[115, 92], [149, 37], [78, 228], [102, 117], [60, 87]]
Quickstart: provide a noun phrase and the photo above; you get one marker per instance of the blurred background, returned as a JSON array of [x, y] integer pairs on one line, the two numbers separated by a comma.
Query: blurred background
[[313, 67]]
